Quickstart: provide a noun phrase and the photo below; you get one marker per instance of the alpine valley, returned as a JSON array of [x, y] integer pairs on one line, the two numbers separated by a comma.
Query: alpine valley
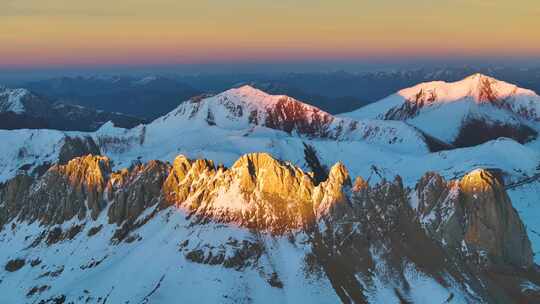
[[431, 195]]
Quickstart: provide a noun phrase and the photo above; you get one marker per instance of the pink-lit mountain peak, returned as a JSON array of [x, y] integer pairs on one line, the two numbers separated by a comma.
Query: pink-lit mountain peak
[[477, 87]]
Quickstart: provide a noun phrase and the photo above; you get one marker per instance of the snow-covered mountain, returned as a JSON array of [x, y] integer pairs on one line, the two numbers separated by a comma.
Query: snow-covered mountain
[[247, 108], [22, 109], [463, 113], [244, 120], [246, 197]]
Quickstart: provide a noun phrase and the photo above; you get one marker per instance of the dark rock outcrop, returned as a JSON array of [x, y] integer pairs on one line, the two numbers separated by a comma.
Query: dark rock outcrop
[[133, 191], [76, 147], [477, 131], [442, 232]]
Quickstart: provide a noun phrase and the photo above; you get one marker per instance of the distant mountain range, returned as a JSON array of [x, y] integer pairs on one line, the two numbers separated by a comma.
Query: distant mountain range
[[147, 97], [22, 109], [335, 92]]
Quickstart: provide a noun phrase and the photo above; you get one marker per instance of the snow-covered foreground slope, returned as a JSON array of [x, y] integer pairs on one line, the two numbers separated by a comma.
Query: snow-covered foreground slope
[[453, 111], [153, 268]]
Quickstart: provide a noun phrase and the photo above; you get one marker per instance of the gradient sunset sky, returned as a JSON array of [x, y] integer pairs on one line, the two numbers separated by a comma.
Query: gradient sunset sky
[[46, 33]]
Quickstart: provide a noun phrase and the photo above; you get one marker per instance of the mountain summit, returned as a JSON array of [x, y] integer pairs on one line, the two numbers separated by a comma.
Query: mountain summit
[[468, 112], [253, 111], [477, 87]]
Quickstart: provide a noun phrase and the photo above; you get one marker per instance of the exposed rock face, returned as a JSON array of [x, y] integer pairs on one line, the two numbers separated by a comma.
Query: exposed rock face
[[12, 197], [493, 225], [257, 192], [133, 191], [290, 115], [474, 215], [63, 192], [442, 232], [439, 209], [378, 231], [412, 107], [263, 193]]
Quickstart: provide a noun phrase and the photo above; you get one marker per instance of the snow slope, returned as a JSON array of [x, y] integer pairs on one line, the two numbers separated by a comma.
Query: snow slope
[[30, 148], [526, 200], [95, 271]]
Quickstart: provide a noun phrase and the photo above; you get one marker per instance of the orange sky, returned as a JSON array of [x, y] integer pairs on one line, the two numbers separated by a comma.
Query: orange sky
[[62, 32]]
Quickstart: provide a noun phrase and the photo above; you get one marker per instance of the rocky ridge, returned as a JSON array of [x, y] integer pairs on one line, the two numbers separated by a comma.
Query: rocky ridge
[[461, 233]]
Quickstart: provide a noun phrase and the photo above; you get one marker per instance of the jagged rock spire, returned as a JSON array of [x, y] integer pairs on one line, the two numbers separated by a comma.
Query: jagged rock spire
[[474, 215]]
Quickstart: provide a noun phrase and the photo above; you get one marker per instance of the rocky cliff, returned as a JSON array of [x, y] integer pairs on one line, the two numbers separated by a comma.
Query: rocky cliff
[[474, 215]]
